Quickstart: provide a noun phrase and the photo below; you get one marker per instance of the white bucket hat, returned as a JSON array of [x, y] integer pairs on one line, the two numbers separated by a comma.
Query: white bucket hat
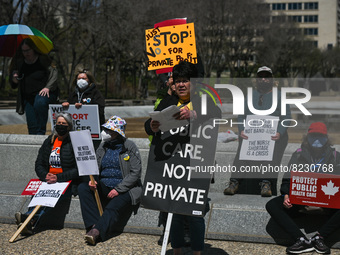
[[117, 124]]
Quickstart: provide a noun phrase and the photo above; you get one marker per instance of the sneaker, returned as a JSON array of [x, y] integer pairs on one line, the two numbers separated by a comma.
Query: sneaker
[[92, 236], [18, 218], [301, 245], [266, 190], [319, 244], [232, 188]]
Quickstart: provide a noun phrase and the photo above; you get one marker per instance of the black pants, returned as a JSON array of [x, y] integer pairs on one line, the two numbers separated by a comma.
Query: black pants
[[284, 218]]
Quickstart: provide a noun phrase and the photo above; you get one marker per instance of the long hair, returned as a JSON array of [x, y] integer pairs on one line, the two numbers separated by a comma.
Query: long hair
[[88, 74], [18, 58], [68, 117]]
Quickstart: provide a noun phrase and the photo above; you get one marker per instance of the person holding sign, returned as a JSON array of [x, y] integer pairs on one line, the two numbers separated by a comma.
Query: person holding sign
[[86, 92], [55, 163], [118, 184], [188, 102], [317, 154], [262, 100]]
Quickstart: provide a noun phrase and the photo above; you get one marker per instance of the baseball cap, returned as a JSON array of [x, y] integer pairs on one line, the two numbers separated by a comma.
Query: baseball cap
[[317, 127], [264, 69], [117, 124]]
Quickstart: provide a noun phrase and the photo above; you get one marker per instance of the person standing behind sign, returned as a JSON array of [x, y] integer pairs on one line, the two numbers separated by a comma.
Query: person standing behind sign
[[119, 185], [315, 151], [55, 163], [262, 100], [86, 92], [182, 73], [35, 76]]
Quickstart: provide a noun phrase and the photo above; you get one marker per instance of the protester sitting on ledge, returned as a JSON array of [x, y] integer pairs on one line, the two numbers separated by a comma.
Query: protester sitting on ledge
[[119, 185], [55, 163], [315, 151], [262, 99]]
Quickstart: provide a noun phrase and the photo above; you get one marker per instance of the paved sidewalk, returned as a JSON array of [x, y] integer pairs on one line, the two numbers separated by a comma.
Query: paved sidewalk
[[70, 241]]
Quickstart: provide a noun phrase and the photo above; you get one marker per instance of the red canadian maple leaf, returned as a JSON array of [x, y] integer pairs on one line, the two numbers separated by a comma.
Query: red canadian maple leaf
[[329, 189]]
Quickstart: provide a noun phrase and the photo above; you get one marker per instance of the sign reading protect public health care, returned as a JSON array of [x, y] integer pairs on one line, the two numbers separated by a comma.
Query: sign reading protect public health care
[[315, 189], [167, 46]]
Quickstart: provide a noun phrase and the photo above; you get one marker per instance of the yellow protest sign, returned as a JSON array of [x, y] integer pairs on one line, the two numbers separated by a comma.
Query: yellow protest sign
[[167, 46]]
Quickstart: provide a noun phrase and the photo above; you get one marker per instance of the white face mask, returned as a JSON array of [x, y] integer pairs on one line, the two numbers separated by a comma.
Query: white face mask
[[105, 136], [82, 84]]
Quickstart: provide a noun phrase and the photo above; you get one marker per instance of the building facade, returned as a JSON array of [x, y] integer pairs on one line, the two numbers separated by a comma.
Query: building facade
[[319, 20]]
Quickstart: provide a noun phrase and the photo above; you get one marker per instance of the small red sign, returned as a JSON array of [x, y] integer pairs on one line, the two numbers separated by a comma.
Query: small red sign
[[315, 189], [32, 187]]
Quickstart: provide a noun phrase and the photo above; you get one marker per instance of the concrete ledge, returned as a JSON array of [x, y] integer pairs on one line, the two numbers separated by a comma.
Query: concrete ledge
[[237, 218]]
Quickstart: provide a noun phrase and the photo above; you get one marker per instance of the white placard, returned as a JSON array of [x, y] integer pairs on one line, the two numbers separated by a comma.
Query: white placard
[[48, 194], [166, 119], [84, 118], [259, 145], [84, 152]]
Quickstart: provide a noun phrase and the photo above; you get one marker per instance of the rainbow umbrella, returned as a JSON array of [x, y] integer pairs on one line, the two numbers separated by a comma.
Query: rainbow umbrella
[[12, 35]]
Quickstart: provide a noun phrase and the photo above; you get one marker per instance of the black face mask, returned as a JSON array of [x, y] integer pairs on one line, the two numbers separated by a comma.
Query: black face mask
[[61, 129]]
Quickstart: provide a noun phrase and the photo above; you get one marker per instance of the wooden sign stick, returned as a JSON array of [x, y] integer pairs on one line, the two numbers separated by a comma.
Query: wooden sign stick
[[96, 194], [24, 224]]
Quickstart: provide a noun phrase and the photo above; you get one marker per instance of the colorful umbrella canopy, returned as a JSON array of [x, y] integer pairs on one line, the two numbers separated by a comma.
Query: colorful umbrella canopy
[[12, 35]]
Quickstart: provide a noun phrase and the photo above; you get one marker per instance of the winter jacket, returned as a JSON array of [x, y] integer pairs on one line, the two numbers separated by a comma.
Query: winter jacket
[[51, 83], [131, 167], [303, 156], [90, 96], [67, 160]]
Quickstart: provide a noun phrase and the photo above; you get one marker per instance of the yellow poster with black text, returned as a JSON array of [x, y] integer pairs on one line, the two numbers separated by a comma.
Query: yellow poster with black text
[[167, 46]]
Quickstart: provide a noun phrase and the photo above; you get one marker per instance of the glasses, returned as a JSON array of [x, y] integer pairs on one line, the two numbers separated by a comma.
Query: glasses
[[260, 102], [26, 51], [181, 81]]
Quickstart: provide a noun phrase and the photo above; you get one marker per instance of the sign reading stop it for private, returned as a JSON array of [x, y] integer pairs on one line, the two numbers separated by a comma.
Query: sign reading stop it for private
[[167, 46]]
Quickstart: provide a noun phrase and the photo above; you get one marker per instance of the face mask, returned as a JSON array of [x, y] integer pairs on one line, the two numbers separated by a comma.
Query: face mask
[[61, 129], [105, 136], [317, 141], [82, 84]]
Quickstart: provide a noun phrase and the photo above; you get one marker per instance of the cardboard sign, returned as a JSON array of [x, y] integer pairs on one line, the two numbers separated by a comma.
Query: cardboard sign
[[315, 189], [49, 194], [84, 118], [84, 153], [175, 182], [259, 146], [32, 187], [167, 46]]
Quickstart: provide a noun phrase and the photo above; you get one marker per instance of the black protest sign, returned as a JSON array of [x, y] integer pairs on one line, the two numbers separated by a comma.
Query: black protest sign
[[174, 181]]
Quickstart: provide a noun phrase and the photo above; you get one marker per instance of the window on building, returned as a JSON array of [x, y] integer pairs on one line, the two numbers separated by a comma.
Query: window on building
[[310, 31], [330, 46], [295, 18], [310, 18], [278, 6], [294, 6], [311, 6]]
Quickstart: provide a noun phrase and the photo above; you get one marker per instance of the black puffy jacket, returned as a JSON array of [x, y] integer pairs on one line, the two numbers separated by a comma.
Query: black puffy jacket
[[67, 160]]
